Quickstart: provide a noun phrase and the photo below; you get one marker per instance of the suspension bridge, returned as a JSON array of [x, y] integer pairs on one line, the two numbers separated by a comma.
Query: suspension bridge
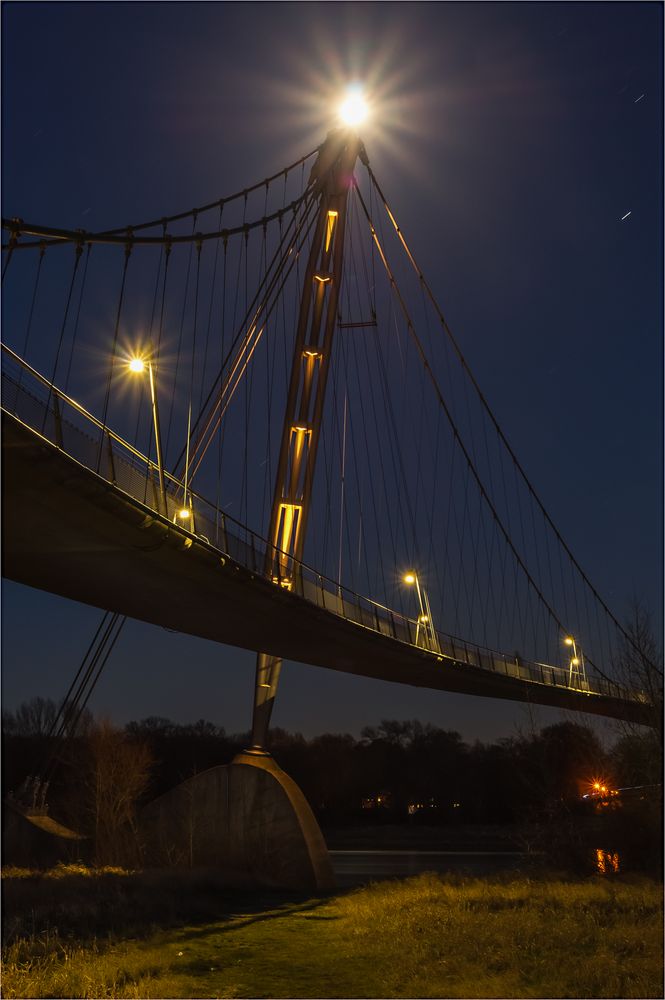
[[250, 422]]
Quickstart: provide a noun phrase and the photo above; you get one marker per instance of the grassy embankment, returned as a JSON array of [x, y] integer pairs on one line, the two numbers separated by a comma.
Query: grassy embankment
[[425, 937]]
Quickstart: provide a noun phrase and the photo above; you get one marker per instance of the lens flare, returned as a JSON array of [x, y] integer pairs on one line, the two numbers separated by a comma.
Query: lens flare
[[353, 110]]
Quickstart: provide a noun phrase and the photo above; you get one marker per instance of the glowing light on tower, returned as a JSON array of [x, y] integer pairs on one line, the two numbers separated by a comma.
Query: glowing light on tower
[[353, 110]]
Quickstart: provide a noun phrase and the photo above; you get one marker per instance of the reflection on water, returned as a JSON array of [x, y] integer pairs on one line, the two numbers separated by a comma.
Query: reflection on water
[[607, 863], [359, 867]]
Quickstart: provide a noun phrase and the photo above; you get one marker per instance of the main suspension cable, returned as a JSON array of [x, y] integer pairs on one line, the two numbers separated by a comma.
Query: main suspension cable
[[219, 203], [442, 402], [53, 236], [490, 413]]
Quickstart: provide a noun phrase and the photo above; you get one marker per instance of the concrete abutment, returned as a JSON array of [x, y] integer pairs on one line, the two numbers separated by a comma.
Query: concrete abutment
[[247, 819]]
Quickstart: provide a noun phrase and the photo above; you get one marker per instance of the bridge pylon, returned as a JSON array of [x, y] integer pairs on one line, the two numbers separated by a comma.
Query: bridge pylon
[[330, 181]]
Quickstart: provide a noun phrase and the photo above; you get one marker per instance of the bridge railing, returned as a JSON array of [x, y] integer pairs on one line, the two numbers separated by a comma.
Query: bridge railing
[[65, 423]]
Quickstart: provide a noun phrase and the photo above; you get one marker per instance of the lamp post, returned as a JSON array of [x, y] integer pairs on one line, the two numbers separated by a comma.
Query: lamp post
[[186, 511], [424, 622], [137, 365], [576, 664]]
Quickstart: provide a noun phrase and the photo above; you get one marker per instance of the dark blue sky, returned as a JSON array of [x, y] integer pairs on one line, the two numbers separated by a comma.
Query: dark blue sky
[[514, 138]]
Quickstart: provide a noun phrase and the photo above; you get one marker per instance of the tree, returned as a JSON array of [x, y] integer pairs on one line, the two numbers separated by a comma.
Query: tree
[[437, 762], [154, 725], [333, 781], [636, 759], [558, 763], [495, 792], [391, 731], [639, 752], [640, 666], [119, 772], [31, 718], [31, 750]]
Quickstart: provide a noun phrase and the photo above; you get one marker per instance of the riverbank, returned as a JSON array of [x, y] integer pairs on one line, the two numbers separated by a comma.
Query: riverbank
[[428, 936], [413, 837]]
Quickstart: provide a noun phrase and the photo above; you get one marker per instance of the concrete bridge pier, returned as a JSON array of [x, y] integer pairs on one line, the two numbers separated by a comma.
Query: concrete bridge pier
[[247, 820]]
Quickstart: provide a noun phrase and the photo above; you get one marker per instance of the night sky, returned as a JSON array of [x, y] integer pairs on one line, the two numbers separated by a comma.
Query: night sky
[[511, 140]]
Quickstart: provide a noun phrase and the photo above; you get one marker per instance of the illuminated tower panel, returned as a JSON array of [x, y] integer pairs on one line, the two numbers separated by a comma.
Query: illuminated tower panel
[[332, 177]]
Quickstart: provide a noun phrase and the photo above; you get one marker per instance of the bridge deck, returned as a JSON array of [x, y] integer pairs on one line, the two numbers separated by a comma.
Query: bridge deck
[[70, 531]]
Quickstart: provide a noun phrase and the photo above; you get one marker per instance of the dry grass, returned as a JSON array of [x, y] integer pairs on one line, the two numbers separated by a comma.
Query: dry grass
[[64, 870], [84, 903], [429, 936]]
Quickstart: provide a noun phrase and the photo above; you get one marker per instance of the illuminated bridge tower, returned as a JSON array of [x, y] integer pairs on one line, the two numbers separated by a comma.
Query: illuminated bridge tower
[[331, 179]]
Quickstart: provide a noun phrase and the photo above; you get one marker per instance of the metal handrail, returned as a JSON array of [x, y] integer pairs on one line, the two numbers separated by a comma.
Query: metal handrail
[[126, 462]]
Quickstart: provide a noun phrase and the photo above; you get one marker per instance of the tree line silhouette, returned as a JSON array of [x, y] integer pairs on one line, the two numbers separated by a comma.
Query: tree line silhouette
[[398, 771]]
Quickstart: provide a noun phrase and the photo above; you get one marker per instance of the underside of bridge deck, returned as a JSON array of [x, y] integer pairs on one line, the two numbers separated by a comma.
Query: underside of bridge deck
[[70, 532]]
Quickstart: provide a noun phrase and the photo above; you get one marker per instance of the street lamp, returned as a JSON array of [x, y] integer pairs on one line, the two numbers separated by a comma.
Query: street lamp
[[185, 513], [576, 663], [137, 365], [424, 622]]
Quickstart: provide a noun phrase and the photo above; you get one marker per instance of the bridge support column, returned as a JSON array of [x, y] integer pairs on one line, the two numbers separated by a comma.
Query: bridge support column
[[292, 828], [330, 181], [267, 678]]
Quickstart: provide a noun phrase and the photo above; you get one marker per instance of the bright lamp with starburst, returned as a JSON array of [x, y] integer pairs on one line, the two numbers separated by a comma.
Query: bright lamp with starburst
[[353, 109]]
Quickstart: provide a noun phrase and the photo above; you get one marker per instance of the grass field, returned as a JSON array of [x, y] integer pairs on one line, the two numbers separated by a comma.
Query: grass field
[[429, 936]]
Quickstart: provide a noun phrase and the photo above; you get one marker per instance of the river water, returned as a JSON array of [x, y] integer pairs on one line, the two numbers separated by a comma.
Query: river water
[[353, 868]]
